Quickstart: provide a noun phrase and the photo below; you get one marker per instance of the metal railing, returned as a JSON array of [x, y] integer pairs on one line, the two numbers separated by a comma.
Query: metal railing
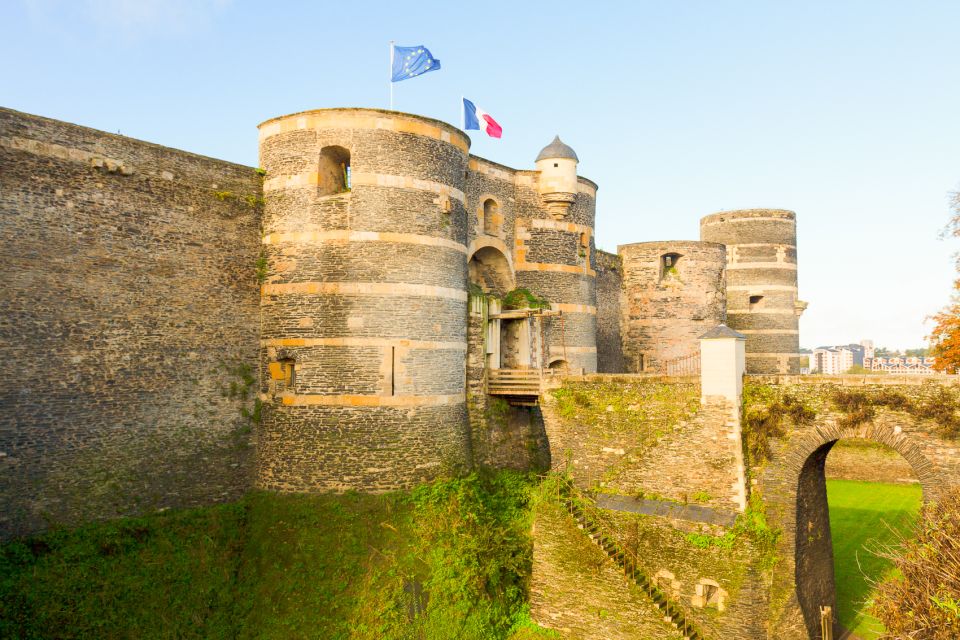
[[688, 365]]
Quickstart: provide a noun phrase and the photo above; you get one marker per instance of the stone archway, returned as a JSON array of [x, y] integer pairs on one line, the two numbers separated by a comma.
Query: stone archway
[[799, 496], [490, 270]]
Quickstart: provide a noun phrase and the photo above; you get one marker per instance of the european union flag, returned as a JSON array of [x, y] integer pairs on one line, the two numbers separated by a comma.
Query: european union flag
[[410, 62]]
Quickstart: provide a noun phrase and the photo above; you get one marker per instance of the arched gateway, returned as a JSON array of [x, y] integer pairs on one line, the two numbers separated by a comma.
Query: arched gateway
[[795, 493]]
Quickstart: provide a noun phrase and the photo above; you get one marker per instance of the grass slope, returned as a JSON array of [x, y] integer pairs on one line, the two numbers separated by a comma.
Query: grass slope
[[862, 515], [447, 560]]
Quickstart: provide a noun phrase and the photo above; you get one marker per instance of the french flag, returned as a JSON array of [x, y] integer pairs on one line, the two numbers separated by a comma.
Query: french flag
[[476, 118]]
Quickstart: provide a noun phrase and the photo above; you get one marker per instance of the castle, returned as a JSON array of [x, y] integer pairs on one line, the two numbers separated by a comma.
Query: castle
[[371, 285], [374, 307], [381, 291]]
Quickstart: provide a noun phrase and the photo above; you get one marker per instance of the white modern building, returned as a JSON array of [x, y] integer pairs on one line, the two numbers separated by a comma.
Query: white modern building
[[831, 360], [907, 366]]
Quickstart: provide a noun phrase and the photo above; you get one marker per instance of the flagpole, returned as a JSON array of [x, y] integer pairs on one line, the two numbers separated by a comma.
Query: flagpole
[[391, 74], [463, 116]]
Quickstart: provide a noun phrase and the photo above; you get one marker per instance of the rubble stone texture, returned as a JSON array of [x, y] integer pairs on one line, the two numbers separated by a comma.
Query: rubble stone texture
[[129, 325], [673, 292]]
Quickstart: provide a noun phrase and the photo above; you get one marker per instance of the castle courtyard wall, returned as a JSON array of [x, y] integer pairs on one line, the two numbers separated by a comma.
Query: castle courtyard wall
[[129, 327]]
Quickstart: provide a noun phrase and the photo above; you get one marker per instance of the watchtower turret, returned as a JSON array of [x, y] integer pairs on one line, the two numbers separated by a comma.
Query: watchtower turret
[[557, 164]]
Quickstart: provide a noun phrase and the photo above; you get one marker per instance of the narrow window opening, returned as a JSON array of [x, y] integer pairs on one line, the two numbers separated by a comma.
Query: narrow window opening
[[288, 370], [710, 594], [755, 302], [641, 363], [393, 370], [556, 164], [333, 175], [491, 216], [668, 266]]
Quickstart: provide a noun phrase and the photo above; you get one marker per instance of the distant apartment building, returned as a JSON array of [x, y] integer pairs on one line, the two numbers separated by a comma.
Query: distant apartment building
[[909, 366], [831, 360]]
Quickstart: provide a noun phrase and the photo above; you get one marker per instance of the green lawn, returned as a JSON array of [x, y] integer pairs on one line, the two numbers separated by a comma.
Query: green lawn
[[861, 517]]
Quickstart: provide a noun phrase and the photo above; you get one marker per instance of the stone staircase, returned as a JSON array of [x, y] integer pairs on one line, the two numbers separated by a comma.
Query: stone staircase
[[581, 509]]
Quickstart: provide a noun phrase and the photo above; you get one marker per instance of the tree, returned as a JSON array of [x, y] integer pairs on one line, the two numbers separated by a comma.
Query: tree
[[922, 600], [945, 336]]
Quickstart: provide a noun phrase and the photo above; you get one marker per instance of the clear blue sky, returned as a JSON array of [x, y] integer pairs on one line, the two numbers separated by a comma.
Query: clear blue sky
[[846, 112]]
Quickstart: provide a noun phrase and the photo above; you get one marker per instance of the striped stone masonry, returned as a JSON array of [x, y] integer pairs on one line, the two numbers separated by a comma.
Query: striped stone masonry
[[365, 297], [761, 283]]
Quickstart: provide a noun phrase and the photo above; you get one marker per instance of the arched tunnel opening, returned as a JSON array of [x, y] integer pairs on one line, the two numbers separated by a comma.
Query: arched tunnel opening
[[854, 499]]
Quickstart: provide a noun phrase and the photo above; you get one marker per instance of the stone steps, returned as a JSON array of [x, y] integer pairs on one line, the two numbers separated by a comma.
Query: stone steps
[[594, 531]]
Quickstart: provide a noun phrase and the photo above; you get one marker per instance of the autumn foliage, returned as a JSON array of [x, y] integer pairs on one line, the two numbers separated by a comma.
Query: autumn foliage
[[945, 336]]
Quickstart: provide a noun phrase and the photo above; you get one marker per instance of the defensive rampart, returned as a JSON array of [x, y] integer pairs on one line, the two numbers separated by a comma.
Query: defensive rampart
[[129, 324]]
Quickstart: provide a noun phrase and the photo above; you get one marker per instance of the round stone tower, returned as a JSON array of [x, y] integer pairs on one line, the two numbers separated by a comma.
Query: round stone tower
[[364, 300], [673, 292], [554, 253], [761, 283]]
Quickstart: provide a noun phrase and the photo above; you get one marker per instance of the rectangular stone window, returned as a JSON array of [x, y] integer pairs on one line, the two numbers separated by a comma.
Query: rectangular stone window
[[333, 175], [288, 371]]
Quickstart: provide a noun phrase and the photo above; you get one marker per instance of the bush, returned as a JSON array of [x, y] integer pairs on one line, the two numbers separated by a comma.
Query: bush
[[521, 298], [922, 599], [760, 426]]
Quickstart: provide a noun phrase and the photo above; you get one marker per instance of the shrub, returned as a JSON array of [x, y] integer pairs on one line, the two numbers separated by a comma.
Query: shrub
[[762, 426], [941, 407], [922, 599], [521, 298], [856, 406]]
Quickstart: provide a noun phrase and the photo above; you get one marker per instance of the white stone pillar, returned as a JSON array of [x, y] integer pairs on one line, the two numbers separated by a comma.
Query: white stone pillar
[[722, 364]]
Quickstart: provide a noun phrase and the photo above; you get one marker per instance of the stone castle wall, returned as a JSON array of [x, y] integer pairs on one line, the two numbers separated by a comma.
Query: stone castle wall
[[366, 298], [609, 269], [665, 307], [662, 469], [761, 283], [129, 326]]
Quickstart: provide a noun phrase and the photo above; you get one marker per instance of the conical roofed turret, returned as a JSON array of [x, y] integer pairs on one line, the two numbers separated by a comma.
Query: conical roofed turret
[[557, 149], [557, 164]]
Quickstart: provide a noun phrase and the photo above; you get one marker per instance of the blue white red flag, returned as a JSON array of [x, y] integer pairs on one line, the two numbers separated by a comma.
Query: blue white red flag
[[476, 118]]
